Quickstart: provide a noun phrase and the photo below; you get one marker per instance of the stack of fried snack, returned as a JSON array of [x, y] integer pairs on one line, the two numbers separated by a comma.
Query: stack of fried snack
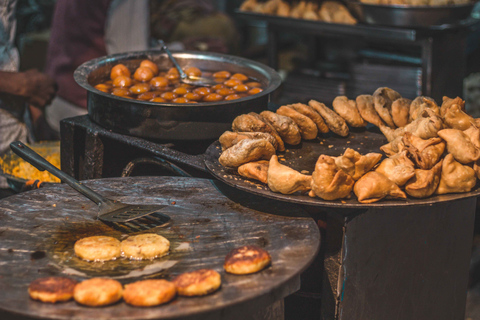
[[328, 11], [430, 150], [417, 2]]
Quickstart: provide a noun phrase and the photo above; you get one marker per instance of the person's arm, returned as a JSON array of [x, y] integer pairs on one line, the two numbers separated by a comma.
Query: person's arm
[[35, 87]]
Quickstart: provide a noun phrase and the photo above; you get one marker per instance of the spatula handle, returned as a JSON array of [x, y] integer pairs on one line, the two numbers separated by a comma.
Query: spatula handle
[[41, 164], [162, 44]]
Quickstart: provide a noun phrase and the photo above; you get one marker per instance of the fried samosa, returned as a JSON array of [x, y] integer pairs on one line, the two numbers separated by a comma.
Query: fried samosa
[[229, 138], [473, 133], [401, 111], [455, 118], [397, 168], [286, 180], [247, 150], [286, 128], [252, 122], [425, 153], [347, 109], [448, 102], [308, 128], [424, 182], [334, 122], [308, 111], [419, 105], [367, 110], [257, 170], [356, 165], [383, 98], [460, 145], [455, 177], [374, 186], [393, 147], [328, 181]]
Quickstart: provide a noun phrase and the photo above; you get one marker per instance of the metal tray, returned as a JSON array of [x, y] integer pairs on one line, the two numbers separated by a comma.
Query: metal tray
[[410, 16]]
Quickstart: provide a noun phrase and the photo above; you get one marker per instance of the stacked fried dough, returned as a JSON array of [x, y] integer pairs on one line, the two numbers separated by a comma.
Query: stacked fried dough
[[431, 149], [329, 11]]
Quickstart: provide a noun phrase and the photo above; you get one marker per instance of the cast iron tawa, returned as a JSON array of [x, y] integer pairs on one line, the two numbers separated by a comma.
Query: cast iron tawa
[[39, 228]]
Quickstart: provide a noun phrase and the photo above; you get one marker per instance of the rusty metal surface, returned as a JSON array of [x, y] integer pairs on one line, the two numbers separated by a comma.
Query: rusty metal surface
[[174, 121], [38, 230], [303, 157]]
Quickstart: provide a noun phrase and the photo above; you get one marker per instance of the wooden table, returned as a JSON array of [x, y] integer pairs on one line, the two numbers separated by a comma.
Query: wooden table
[[38, 230]]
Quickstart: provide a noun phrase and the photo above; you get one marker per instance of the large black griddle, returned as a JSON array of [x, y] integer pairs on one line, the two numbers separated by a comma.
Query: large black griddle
[[303, 158], [39, 228]]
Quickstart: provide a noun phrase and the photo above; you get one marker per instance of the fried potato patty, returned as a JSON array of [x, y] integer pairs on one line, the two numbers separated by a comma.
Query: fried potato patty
[[145, 246], [97, 292], [147, 293], [98, 248], [246, 259], [52, 289], [198, 282]]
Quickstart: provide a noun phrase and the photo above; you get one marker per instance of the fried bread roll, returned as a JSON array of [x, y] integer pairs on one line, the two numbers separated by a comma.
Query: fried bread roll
[[455, 177], [97, 292], [397, 168], [401, 111], [374, 186], [383, 98], [252, 123], [257, 170], [286, 180], [246, 150], [328, 181], [347, 109], [308, 111], [198, 283], [367, 110], [424, 183], [271, 130], [145, 246], [285, 126], [334, 122], [52, 289], [229, 138], [460, 145], [246, 260], [98, 248], [308, 128], [149, 293], [425, 153], [356, 165]]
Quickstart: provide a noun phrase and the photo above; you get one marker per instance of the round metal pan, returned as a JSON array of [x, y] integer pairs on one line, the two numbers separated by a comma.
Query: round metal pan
[[304, 157], [145, 119], [410, 16]]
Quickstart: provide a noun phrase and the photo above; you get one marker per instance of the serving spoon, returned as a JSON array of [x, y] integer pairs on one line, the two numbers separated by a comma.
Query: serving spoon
[[188, 79]]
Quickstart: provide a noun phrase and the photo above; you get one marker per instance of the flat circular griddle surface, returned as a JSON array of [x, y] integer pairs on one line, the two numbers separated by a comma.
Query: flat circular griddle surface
[[39, 228], [303, 158]]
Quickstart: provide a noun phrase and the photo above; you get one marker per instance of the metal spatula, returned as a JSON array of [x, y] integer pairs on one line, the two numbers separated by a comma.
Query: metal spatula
[[109, 210]]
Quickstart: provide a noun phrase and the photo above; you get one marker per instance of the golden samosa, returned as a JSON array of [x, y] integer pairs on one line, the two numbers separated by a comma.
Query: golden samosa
[[367, 110], [393, 147], [473, 133], [397, 168], [419, 105], [347, 109], [383, 98], [335, 123], [455, 118], [374, 186], [328, 181], [449, 102], [287, 128], [424, 182], [245, 151], [425, 127], [356, 165], [425, 153], [460, 145], [257, 170], [229, 138], [456, 177], [286, 180]]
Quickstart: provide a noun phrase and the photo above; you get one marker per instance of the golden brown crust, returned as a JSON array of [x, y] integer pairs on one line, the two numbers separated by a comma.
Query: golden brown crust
[[198, 282], [145, 246], [147, 293], [52, 289], [97, 292], [247, 259], [97, 248]]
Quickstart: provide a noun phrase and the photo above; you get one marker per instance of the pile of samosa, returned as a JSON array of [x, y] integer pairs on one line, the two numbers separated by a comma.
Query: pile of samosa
[[431, 149]]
